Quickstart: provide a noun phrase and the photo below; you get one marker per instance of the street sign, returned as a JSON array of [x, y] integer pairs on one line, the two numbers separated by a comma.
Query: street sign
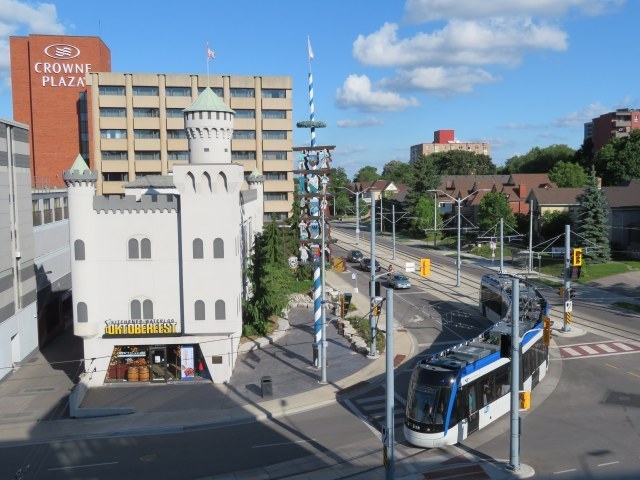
[[410, 267], [568, 305], [353, 276], [492, 245]]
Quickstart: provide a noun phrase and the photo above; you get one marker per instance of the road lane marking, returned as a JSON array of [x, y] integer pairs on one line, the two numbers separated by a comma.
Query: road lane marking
[[589, 350], [622, 346], [283, 443], [82, 466], [571, 352], [608, 463], [564, 471], [634, 374], [605, 347], [610, 365]]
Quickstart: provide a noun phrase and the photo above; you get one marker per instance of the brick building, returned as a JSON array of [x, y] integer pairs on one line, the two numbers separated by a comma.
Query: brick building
[[610, 125], [444, 141]]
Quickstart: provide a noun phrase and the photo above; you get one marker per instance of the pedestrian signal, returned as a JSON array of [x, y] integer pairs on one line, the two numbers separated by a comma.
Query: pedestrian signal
[[546, 330], [425, 267], [577, 257]]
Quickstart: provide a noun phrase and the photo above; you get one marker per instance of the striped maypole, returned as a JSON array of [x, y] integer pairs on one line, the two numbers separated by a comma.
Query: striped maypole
[[317, 281]]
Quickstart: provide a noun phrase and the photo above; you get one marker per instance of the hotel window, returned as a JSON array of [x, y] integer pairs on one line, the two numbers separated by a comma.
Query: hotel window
[[274, 135], [274, 114], [147, 155], [133, 249], [139, 91], [153, 134], [78, 250], [82, 312], [243, 155], [199, 310], [119, 112], [145, 248], [114, 155], [178, 91], [136, 312], [147, 310], [243, 92], [275, 175], [217, 90], [146, 112], [274, 155], [115, 177], [275, 196], [274, 93], [176, 134], [267, 217], [243, 113], [244, 134], [113, 133], [220, 310], [198, 248], [218, 248], [178, 155], [111, 90], [175, 113]]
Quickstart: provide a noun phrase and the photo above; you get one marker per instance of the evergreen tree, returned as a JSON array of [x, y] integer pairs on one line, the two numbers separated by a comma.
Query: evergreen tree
[[592, 222]]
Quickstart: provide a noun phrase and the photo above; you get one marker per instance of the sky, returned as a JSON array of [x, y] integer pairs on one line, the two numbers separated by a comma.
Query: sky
[[515, 73]]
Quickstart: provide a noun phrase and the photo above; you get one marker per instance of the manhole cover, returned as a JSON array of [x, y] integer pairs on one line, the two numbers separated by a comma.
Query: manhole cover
[[149, 457]]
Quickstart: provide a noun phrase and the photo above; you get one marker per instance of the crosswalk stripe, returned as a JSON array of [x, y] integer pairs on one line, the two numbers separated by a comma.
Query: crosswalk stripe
[[571, 352], [366, 401], [622, 346], [589, 350], [605, 347]]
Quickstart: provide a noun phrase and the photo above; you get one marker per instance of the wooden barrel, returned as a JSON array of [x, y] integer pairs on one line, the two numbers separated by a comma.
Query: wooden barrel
[[132, 374], [143, 374]]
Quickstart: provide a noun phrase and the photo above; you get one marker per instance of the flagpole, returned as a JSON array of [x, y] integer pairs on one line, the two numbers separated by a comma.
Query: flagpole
[[208, 81]]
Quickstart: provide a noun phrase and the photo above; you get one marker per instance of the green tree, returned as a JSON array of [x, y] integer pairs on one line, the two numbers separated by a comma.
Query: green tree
[[539, 160], [568, 175], [423, 217], [339, 180], [397, 172], [552, 223], [592, 223], [463, 162], [367, 174], [619, 159], [270, 280], [425, 177], [493, 207]]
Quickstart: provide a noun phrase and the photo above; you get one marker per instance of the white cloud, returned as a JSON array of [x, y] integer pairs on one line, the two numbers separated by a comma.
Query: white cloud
[[440, 80], [461, 42], [365, 122], [358, 92], [17, 17], [580, 117], [350, 149], [419, 11]]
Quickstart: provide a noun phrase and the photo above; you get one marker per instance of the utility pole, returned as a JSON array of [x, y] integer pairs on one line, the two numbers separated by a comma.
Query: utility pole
[[514, 457], [358, 218], [381, 224], [323, 348], [531, 235], [372, 281], [501, 245], [390, 440], [393, 230], [566, 327], [435, 218]]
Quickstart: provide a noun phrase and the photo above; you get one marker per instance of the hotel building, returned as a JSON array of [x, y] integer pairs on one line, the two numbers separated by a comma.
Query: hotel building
[[444, 141], [611, 125], [138, 130]]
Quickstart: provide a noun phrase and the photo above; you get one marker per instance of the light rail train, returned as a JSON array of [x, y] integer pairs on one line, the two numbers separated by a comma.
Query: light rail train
[[461, 390]]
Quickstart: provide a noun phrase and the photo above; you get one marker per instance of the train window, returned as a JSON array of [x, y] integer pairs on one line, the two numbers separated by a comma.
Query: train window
[[472, 404], [503, 381]]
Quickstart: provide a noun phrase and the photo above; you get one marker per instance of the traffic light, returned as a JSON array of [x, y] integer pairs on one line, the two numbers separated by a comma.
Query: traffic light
[[546, 330], [577, 257], [425, 267], [376, 309]]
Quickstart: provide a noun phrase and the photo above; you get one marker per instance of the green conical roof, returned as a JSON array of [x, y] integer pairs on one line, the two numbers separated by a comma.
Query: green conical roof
[[208, 101], [80, 165]]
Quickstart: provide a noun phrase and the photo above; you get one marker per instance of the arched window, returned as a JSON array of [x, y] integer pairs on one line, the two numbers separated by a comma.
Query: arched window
[[82, 313], [218, 248], [222, 182], [78, 250], [136, 312], [198, 249], [145, 248], [134, 252], [199, 313], [147, 309], [220, 310]]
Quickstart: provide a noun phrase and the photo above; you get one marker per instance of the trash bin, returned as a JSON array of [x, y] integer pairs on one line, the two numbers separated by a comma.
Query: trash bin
[[267, 386]]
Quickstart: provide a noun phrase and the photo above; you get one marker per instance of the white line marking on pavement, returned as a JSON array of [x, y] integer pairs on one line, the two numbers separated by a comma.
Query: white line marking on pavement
[[83, 466], [399, 398], [571, 352], [622, 346], [605, 347], [589, 350], [609, 463], [564, 471], [359, 414], [368, 400], [283, 443]]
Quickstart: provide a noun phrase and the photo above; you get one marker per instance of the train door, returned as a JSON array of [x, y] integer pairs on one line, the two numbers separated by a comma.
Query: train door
[[471, 400]]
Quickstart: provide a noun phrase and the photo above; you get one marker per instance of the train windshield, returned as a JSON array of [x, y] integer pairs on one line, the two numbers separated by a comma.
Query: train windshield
[[429, 397]]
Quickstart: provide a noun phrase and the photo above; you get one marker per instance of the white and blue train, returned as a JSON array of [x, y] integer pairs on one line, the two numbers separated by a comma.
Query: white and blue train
[[459, 391]]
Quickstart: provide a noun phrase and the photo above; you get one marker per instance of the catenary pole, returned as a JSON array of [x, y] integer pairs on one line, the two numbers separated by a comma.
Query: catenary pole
[[501, 245], [390, 392], [458, 260], [372, 281], [358, 218], [435, 218], [566, 326], [531, 235], [514, 460], [323, 317], [393, 230]]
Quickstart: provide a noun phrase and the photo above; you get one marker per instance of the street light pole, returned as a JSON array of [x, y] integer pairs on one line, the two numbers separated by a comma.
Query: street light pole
[[372, 282], [393, 230], [459, 259], [323, 349], [390, 393], [358, 218]]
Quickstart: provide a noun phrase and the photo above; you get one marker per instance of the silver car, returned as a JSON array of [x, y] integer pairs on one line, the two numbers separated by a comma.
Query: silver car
[[398, 280]]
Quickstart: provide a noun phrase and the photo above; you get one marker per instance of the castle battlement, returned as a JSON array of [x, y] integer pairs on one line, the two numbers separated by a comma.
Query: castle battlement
[[129, 203]]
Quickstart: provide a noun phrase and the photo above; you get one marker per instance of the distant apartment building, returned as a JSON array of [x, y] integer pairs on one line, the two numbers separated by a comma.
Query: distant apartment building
[[137, 123], [610, 125], [444, 141]]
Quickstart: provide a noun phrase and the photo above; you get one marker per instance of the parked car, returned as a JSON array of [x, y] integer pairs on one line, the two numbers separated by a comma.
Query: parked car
[[398, 280], [354, 256], [365, 264]]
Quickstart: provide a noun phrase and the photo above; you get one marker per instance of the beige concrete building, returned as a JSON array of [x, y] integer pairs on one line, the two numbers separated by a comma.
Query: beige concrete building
[[137, 127]]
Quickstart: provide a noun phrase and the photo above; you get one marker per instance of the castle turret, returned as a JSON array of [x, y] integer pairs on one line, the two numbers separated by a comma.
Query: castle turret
[[209, 125]]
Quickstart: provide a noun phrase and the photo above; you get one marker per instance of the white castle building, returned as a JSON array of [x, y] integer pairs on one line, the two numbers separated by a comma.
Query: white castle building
[[158, 273]]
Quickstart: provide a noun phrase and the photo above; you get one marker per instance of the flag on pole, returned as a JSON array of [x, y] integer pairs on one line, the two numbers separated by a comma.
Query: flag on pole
[[310, 51], [210, 53]]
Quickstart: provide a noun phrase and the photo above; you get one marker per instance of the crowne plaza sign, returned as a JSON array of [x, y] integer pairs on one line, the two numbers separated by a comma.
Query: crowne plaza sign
[[63, 70]]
